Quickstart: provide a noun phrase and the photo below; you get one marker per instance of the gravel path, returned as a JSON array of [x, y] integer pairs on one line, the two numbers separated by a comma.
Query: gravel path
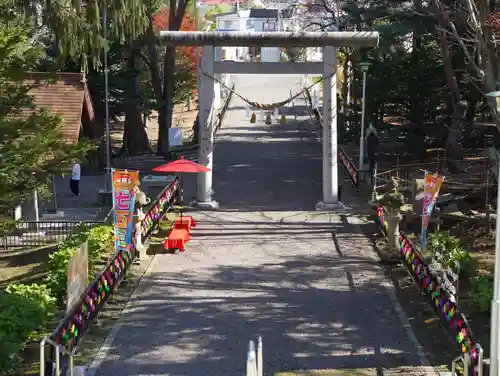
[[264, 264]]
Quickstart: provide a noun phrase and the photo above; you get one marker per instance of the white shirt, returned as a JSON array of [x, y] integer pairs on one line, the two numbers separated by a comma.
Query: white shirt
[[75, 172]]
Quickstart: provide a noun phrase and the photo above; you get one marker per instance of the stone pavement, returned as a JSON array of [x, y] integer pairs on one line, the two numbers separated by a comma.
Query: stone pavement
[[76, 208], [265, 264]]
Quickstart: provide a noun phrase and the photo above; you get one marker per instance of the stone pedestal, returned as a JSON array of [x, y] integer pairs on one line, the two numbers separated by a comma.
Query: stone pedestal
[[393, 220]]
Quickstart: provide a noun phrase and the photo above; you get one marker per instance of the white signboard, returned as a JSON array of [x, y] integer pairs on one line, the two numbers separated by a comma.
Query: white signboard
[[175, 137], [77, 276]]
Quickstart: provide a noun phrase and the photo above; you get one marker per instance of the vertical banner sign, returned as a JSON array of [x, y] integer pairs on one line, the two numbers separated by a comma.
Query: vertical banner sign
[[432, 184], [124, 182]]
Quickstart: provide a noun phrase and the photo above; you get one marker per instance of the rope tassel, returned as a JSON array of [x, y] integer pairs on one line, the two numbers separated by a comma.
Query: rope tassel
[[268, 119], [253, 118], [283, 120]]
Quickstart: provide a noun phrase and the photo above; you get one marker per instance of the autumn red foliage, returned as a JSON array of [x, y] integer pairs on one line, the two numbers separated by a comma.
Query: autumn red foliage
[[493, 21], [186, 53]]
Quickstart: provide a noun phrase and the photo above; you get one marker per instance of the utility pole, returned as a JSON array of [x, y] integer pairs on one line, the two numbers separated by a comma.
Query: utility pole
[[107, 182]]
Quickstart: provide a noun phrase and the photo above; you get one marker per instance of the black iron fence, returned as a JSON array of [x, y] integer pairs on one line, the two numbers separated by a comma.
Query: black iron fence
[[41, 233], [67, 336]]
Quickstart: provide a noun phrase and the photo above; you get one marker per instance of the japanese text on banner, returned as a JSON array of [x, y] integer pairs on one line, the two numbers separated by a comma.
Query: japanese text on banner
[[432, 184], [124, 183]]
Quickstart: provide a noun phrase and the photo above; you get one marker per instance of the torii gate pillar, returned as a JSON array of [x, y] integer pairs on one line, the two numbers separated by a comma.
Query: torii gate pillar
[[206, 97], [330, 157]]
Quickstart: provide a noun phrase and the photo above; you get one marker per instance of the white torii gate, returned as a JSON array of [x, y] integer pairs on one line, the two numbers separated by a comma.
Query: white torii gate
[[328, 68]]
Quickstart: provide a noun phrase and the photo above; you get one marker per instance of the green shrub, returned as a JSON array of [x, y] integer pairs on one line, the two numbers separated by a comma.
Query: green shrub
[[480, 294], [40, 294], [25, 308], [451, 252], [100, 242], [20, 318], [57, 276]]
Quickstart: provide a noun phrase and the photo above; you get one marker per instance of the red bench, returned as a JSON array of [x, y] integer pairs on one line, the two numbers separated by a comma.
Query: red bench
[[186, 223], [177, 238]]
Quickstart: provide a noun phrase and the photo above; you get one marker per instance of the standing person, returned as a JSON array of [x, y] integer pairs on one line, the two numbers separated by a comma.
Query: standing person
[[74, 183]]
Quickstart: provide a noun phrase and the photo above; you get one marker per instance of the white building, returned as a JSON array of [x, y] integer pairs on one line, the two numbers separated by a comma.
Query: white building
[[266, 19], [232, 21]]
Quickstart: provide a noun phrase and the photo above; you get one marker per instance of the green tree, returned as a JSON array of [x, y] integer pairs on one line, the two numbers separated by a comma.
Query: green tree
[[163, 63], [75, 32], [31, 144]]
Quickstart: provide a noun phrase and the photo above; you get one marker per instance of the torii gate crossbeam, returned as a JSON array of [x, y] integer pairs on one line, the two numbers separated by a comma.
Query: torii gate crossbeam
[[328, 40]]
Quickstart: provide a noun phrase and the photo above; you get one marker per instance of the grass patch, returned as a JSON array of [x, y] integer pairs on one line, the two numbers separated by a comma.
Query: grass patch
[[156, 241], [24, 265]]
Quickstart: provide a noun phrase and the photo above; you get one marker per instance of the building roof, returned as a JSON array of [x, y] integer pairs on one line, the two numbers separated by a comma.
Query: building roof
[[66, 95], [263, 13]]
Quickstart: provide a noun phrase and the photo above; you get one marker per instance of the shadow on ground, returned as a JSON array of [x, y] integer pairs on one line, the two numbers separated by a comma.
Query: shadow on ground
[[327, 311], [266, 167]]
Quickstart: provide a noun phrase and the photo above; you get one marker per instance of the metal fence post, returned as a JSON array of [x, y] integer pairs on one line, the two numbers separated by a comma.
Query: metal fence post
[[58, 361], [251, 360], [42, 356], [480, 366], [466, 361], [454, 365], [58, 350], [260, 366]]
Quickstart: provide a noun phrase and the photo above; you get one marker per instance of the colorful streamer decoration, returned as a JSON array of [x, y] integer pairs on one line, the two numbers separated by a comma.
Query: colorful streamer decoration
[[159, 208], [382, 223], [349, 166], [431, 191], [75, 325], [443, 304]]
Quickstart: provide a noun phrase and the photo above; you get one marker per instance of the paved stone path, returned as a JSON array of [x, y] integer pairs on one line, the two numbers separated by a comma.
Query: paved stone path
[[266, 264]]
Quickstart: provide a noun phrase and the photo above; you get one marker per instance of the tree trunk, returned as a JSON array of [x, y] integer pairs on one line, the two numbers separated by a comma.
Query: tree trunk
[[453, 147], [167, 110], [415, 83], [135, 138], [165, 113]]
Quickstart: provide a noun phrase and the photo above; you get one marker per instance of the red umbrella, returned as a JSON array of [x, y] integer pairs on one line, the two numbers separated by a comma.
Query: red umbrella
[[182, 166]]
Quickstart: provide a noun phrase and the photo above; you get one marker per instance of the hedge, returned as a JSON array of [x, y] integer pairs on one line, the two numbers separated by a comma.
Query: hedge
[[25, 309]]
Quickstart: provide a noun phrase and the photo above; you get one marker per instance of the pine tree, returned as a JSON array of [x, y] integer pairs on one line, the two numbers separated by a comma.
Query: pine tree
[[31, 144], [76, 26]]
